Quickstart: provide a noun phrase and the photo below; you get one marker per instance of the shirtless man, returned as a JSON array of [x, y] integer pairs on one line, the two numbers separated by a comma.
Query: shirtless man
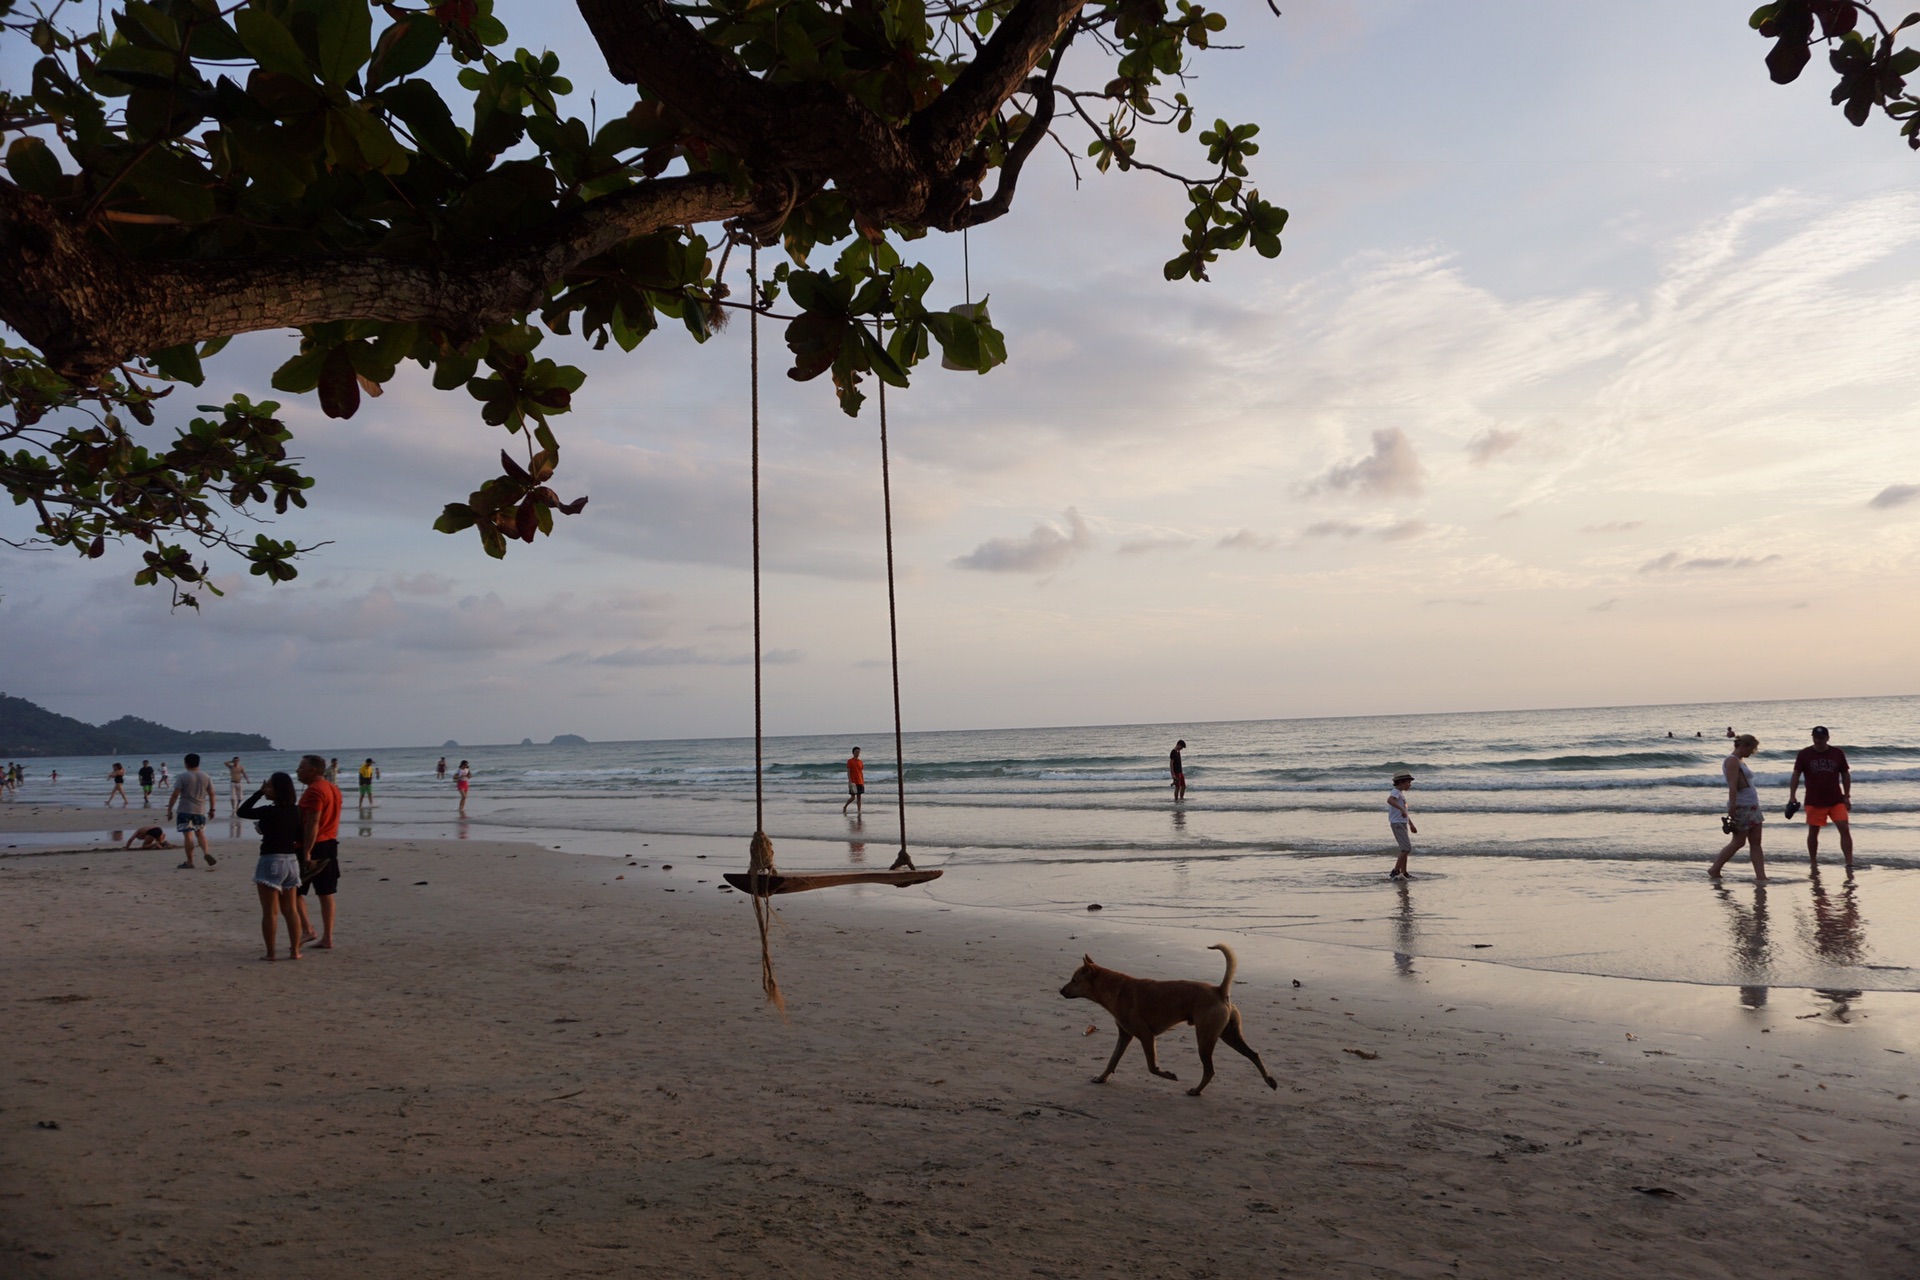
[[236, 776], [1178, 770]]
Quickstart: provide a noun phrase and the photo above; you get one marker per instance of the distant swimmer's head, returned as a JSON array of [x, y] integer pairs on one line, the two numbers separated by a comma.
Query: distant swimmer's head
[[1819, 733], [1402, 779], [1745, 744]]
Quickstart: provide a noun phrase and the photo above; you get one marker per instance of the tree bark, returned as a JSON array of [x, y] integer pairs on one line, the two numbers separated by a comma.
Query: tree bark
[[86, 308]]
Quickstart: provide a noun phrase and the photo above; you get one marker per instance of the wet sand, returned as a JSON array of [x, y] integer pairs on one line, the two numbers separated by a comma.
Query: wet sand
[[541, 1064]]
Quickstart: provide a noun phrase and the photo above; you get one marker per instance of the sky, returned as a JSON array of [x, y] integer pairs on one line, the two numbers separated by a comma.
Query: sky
[[1584, 379]]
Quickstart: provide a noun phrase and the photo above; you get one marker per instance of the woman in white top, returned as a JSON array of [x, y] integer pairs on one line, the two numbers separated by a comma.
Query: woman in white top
[[1743, 809]]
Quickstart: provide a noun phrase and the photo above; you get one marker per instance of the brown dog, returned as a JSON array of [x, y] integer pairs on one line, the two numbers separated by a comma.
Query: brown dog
[[1143, 1008]]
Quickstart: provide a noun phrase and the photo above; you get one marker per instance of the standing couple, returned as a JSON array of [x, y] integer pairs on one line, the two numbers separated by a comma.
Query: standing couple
[[1829, 799], [299, 850]]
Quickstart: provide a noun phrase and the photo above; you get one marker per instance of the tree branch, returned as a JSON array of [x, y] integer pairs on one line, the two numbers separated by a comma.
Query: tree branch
[[947, 126], [86, 308], [810, 129]]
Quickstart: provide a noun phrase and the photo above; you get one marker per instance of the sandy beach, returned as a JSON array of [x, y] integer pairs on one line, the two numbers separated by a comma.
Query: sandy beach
[[520, 1061]]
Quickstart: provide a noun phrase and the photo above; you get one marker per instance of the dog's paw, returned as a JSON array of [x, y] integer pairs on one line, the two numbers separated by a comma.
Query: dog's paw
[[1166, 1075], [1099, 1079], [1272, 1083], [1195, 1091]]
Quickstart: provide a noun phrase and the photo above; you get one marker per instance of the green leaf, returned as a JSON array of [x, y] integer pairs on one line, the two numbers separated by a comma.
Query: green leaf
[[271, 44], [302, 373], [345, 39], [404, 48], [454, 517], [31, 163], [419, 106], [181, 363]]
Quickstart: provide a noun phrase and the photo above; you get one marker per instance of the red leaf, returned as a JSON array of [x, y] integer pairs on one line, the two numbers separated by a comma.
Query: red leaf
[[513, 468], [529, 521], [339, 386]]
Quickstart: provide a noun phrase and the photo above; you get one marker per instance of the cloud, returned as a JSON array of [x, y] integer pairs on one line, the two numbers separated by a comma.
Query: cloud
[[1894, 495], [1245, 540], [1612, 526], [1392, 468], [1460, 602], [1142, 546], [1047, 548], [1398, 531], [1605, 606], [675, 656], [420, 584], [1673, 561], [1490, 444]]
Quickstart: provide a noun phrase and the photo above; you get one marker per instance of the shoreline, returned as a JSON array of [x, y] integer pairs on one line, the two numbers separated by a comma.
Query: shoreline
[[542, 1060]]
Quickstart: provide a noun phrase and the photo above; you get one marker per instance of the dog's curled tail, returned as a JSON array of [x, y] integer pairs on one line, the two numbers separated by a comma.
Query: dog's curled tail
[[1226, 983]]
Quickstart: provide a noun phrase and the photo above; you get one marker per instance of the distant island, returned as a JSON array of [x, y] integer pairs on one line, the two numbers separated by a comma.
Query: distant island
[[568, 740], [28, 729]]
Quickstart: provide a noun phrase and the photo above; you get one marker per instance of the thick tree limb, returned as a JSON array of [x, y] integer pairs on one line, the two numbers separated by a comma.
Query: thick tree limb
[[86, 308], [921, 175], [946, 127]]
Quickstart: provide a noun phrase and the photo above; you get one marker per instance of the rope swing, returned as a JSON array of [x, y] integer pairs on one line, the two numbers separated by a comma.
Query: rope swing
[[762, 880]]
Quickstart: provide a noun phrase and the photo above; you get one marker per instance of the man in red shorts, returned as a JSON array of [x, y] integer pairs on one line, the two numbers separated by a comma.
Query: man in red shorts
[[1829, 793]]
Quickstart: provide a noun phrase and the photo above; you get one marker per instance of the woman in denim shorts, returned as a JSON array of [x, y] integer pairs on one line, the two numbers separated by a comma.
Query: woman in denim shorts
[[1743, 809], [277, 875]]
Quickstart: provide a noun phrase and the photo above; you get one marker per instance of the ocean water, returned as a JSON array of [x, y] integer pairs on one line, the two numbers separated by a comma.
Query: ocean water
[[1527, 819]]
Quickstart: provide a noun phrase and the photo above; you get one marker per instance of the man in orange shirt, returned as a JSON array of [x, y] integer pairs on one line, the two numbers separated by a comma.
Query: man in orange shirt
[[856, 784], [319, 845]]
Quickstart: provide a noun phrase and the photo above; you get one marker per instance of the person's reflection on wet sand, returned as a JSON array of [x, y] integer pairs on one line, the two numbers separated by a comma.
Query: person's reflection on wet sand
[[1838, 936], [1180, 821], [1752, 949], [1406, 932], [459, 829], [856, 846]]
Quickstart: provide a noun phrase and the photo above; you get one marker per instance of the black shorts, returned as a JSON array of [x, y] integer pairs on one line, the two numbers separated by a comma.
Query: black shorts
[[856, 788], [327, 883]]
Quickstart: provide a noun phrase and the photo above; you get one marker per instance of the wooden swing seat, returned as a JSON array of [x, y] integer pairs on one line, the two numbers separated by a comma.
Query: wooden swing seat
[[802, 881]]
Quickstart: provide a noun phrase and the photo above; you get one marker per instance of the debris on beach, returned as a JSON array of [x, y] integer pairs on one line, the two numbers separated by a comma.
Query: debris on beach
[[1367, 1054], [1093, 906]]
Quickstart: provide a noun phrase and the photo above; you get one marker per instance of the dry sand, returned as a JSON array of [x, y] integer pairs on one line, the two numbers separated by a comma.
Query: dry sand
[[517, 1064]]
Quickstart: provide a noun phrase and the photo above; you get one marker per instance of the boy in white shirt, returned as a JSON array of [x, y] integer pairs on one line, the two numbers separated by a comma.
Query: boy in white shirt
[[1401, 823]]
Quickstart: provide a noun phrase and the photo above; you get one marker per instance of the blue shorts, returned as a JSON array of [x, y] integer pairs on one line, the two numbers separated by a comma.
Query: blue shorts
[[191, 822], [277, 871]]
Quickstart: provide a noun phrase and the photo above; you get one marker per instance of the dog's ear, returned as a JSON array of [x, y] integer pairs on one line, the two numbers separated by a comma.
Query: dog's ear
[[1087, 960]]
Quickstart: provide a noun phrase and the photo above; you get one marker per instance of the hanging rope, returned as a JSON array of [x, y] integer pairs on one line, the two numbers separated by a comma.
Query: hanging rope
[[760, 852], [893, 630]]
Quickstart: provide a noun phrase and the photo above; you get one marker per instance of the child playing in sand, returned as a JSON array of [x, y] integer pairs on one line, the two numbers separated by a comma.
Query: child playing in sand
[[149, 838], [1401, 823]]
